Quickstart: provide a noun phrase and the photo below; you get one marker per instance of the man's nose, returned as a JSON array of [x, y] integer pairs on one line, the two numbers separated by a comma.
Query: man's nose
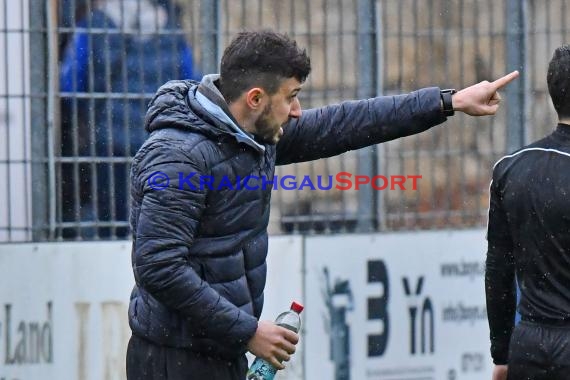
[[295, 109]]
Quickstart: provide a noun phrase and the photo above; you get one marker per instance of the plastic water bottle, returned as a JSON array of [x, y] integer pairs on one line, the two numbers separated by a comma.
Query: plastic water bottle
[[290, 319]]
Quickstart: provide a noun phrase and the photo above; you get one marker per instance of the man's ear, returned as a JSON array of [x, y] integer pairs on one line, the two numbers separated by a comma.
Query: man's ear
[[255, 98]]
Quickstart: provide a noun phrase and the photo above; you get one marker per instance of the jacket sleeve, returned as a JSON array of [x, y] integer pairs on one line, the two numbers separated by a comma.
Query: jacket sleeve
[[332, 130], [500, 286], [167, 225]]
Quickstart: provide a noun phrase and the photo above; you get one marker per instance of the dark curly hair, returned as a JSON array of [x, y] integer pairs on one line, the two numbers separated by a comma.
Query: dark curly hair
[[558, 79], [261, 58]]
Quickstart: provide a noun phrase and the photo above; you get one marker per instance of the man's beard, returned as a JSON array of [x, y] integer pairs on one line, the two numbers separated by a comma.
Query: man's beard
[[264, 131]]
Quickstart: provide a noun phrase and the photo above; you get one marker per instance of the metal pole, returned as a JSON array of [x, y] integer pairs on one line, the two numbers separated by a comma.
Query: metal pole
[[516, 60], [38, 77], [51, 111], [380, 202], [210, 27], [367, 63]]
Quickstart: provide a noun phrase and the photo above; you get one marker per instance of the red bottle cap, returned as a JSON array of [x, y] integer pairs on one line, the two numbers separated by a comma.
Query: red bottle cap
[[297, 307]]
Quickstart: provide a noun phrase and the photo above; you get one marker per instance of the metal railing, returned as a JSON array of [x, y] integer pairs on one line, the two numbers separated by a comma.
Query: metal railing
[[65, 151]]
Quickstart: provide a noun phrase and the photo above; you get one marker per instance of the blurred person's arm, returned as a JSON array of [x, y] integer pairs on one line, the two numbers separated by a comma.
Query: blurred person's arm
[[73, 71], [187, 67], [500, 372], [500, 285]]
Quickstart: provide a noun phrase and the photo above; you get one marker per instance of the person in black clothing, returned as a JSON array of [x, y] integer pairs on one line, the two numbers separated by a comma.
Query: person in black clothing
[[200, 233], [528, 235]]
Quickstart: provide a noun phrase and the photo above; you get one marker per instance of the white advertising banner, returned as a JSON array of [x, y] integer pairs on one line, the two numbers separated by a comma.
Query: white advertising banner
[[385, 306], [64, 310], [396, 307], [63, 307]]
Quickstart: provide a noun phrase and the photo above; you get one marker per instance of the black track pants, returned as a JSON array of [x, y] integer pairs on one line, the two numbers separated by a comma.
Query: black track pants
[[147, 361], [539, 352]]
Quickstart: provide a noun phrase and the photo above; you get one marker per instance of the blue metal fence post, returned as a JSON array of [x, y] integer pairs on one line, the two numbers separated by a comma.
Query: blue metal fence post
[[210, 28], [38, 119], [516, 93], [367, 59]]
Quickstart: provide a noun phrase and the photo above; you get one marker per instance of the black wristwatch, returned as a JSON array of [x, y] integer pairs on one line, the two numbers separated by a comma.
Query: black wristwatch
[[446, 101]]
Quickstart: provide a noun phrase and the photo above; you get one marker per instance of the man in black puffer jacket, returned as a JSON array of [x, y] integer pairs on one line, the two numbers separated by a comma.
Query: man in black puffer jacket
[[200, 229]]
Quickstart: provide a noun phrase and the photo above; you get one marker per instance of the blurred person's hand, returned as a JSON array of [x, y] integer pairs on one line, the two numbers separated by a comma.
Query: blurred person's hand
[[482, 98], [500, 372]]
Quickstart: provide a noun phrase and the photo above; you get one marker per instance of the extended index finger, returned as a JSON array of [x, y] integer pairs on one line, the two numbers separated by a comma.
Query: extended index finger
[[502, 82]]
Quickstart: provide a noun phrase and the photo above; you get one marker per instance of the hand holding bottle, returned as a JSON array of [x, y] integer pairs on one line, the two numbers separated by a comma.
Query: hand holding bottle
[[273, 343]]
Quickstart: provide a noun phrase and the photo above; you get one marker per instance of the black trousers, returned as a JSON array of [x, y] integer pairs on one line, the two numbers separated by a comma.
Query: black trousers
[[147, 361], [539, 352]]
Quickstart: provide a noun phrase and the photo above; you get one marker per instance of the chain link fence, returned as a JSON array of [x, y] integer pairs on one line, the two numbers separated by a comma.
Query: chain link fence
[[76, 75]]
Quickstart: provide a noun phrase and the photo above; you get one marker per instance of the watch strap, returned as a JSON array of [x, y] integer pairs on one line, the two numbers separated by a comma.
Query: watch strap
[[447, 102]]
